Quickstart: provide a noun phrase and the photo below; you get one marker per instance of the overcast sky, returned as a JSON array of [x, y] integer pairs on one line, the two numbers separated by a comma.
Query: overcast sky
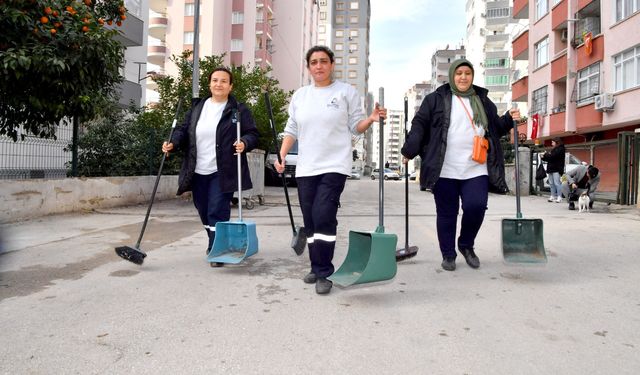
[[404, 36]]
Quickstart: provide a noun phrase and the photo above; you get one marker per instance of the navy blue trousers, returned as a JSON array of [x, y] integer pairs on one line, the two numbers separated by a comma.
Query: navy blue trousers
[[447, 193], [319, 200], [212, 204]]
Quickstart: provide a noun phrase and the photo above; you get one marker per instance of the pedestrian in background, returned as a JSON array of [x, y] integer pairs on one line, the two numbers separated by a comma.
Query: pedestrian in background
[[442, 134], [323, 117], [555, 168], [208, 139]]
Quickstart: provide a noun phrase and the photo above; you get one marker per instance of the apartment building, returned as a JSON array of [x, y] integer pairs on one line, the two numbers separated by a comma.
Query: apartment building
[[490, 28], [344, 27], [583, 83], [264, 33], [441, 61]]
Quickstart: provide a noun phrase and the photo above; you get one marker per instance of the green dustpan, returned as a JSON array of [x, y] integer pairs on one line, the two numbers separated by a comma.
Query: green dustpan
[[371, 257], [522, 239]]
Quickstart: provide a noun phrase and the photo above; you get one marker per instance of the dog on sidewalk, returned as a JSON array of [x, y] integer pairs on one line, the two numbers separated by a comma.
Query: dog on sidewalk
[[583, 202]]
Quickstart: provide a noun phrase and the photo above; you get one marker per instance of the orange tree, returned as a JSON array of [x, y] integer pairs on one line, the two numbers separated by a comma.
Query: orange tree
[[58, 59]]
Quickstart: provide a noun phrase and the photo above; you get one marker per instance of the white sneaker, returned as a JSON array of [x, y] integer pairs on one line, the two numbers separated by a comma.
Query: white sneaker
[[559, 200], [551, 199]]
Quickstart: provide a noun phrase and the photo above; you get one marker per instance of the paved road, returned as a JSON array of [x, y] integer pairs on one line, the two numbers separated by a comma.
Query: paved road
[[69, 305]]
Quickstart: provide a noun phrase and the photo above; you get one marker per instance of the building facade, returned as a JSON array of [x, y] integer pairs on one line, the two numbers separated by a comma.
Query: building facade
[[583, 83]]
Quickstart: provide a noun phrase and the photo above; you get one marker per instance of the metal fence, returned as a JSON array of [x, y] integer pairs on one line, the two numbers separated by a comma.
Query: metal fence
[[36, 157]]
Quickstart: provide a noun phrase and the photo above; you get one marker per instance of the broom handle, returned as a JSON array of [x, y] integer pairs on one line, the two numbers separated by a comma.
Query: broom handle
[[381, 163], [406, 180], [235, 114], [155, 186], [267, 102], [517, 169]]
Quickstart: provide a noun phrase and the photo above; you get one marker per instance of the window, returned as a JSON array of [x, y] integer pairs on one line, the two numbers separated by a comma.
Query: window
[[556, 2], [236, 45], [322, 29], [626, 69], [189, 9], [339, 33], [497, 12], [339, 47], [353, 74], [339, 20], [354, 5], [353, 60], [188, 37], [501, 80], [323, 2], [337, 74], [338, 60], [625, 8], [353, 19], [237, 18], [588, 82], [353, 47], [542, 52], [259, 17], [339, 6], [542, 8], [496, 63], [323, 15], [539, 101], [353, 33]]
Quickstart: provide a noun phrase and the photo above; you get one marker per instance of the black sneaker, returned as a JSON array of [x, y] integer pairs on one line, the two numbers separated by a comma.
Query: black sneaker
[[216, 264], [323, 286], [590, 205], [449, 264], [572, 206], [310, 278], [471, 258]]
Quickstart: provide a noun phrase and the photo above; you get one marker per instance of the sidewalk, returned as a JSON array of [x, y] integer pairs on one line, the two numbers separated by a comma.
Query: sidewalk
[[70, 305]]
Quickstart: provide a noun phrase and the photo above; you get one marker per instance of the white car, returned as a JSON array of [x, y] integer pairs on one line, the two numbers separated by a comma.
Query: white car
[[388, 174], [570, 163]]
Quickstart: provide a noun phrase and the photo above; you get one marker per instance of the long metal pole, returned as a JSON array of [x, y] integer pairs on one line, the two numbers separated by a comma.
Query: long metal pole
[[195, 77], [406, 179], [381, 163]]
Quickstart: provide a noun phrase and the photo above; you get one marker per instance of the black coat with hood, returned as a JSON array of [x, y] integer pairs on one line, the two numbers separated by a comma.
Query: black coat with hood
[[184, 138], [428, 137], [555, 159]]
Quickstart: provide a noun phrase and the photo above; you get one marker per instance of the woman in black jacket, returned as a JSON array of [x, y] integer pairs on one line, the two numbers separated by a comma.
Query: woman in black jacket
[[208, 139], [555, 169], [442, 134]]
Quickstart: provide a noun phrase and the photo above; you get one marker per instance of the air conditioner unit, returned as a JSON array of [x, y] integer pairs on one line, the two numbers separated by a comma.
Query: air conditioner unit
[[604, 102], [565, 35]]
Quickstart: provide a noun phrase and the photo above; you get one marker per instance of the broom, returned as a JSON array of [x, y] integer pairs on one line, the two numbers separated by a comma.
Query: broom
[[134, 254]]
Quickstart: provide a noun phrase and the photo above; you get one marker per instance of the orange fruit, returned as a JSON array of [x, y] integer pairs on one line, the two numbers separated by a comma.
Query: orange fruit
[[119, 23], [85, 29], [44, 19], [55, 13], [87, 2], [101, 21], [123, 17], [110, 22], [47, 10], [53, 31]]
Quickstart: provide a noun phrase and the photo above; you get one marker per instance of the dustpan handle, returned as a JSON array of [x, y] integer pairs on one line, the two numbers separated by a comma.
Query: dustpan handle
[[236, 119], [517, 169], [381, 165]]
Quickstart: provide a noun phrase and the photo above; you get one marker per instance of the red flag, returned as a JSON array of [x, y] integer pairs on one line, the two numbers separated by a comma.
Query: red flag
[[588, 43], [534, 126]]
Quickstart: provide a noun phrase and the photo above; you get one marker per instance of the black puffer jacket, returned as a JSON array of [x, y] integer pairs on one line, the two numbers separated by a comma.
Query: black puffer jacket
[[555, 159], [428, 137], [184, 138]]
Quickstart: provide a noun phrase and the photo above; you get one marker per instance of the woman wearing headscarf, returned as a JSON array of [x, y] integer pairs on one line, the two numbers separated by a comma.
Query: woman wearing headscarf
[[555, 168], [443, 133]]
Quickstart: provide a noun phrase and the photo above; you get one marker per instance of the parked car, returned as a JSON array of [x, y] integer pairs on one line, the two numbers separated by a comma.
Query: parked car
[[388, 174], [355, 174], [571, 162], [272, 177]]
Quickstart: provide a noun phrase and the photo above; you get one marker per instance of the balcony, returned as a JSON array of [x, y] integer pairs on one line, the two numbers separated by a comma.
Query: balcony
[[521, 9], [520, 46], [157, 54], [520, 90], [597, 53], [158, 6], [559, 15], [496, 40], [587, 118], [130, 33], [583, 3], [129, 93], [556, 123], [158, 27], [559, 68]]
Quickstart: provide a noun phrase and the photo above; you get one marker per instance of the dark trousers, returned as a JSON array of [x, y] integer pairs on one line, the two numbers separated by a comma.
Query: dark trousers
[[212, 204], [447, 194], [319, 200]]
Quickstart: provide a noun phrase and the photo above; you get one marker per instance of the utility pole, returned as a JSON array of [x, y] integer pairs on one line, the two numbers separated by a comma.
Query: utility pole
[[195, 77]]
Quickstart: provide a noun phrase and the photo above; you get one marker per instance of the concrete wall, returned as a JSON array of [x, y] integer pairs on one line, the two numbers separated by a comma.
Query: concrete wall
[[524, 154], [24, 199]]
